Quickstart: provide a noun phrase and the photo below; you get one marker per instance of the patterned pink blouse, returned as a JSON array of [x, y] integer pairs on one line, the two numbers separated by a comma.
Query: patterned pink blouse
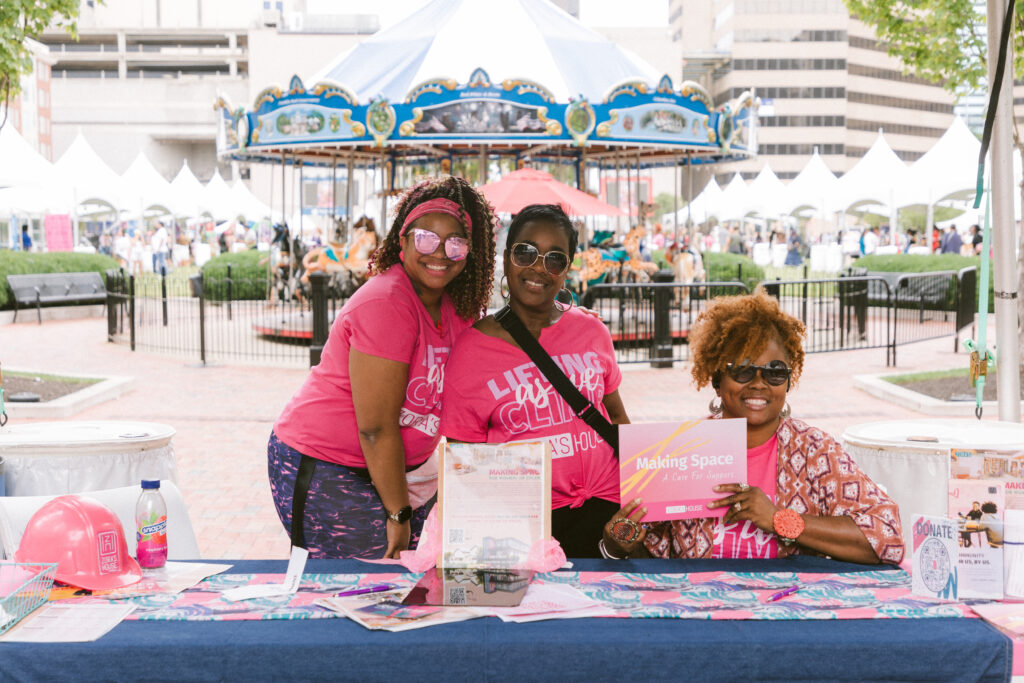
[[816, 477]]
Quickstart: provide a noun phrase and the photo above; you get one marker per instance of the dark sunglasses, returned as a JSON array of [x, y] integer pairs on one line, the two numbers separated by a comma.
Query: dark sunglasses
[[775, 373], [525, 255], [426, 242]]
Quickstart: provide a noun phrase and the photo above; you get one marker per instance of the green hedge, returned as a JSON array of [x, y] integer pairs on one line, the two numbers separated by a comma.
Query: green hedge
[[27, 263], [248, 276], [924, 263], [724, 267]]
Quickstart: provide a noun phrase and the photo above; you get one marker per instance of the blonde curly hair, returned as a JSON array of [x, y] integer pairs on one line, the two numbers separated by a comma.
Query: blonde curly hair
[[737, 328]]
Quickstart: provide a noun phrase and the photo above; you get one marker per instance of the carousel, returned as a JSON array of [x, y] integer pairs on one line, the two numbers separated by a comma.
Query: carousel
[[483, 89]]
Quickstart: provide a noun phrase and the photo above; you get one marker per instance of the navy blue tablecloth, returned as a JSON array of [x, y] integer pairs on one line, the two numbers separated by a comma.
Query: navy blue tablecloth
[[564, 650]]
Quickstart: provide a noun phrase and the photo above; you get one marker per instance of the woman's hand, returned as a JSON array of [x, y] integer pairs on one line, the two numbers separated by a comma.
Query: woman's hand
[[747, 502], [621, 546], [398, 538]]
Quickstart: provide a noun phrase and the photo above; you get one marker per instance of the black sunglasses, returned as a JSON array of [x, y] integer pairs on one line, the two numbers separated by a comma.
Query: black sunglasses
[[525, 255], [776, 373]]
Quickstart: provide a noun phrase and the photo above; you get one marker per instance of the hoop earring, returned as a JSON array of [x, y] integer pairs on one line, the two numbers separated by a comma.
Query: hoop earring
[[561, 305], [715, 408], [786, 410], [503, 287]]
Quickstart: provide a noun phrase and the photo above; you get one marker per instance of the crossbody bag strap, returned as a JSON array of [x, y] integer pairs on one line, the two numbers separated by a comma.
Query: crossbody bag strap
[[579, 404]]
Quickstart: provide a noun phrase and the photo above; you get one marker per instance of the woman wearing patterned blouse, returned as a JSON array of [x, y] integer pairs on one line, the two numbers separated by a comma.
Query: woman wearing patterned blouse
[[803, 492]]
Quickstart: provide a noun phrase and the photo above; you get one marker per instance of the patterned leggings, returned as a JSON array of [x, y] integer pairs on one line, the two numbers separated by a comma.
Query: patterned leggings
[[344, 513]]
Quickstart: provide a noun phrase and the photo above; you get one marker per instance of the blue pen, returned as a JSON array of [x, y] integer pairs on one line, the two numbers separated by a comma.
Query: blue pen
[[379, 588], [783, 593]]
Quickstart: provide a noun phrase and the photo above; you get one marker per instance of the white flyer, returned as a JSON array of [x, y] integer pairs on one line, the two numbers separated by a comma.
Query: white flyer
[[935, 572], [495, 502], [60, 622]]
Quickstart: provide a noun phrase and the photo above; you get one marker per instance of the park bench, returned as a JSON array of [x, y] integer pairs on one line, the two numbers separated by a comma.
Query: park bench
[[41, 289]]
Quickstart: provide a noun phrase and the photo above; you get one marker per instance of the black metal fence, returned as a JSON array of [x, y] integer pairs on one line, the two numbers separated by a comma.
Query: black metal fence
[[233, 320], [218, 320]]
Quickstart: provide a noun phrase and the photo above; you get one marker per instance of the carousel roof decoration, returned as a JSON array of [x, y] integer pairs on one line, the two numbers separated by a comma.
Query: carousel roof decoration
[[543, 86]]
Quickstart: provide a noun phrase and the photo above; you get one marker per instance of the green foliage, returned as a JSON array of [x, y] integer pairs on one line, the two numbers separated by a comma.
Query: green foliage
[[924, 263], [726, 267], [248, 276], [942, 41], [916, 263], [22, 19], [27, 263], [664, 203]]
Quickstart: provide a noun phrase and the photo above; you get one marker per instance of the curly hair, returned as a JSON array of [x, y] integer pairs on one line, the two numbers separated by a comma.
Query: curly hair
[[471, 289], [737, 328]]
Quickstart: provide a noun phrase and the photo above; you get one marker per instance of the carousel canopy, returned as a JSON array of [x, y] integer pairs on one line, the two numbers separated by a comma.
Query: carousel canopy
[[526, 39], [515, 77]]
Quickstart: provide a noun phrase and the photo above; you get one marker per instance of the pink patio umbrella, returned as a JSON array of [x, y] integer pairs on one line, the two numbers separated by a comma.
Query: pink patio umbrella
[[530, 186]]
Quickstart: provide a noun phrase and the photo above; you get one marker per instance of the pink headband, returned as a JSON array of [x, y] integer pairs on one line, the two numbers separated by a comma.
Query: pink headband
[[438, 205]]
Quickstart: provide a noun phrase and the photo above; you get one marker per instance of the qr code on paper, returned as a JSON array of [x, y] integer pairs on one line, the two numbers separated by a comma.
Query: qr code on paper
[[456, 595], [456, 535]]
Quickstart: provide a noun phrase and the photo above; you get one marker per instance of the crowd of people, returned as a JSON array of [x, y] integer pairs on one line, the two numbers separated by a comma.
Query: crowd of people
[[412, 357]]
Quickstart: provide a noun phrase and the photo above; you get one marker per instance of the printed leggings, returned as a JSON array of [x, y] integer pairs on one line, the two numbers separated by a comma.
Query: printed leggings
[[344, 514]]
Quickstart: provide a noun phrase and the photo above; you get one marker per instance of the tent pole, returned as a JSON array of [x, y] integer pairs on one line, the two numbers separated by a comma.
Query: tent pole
[[640, 202], [1004, 272], [689, 199], [675, 199], [383, 193], [348, 195]]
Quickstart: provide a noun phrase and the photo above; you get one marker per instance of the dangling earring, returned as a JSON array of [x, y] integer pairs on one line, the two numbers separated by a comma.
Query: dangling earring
[[715, 408], [784, 413], [503, 287], [562, 305]]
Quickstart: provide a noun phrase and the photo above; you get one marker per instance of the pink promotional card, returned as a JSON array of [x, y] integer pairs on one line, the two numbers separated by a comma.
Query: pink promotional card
[[674, 466]]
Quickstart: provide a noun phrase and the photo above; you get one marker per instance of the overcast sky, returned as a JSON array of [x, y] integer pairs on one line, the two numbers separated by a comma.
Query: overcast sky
[[592, 12]]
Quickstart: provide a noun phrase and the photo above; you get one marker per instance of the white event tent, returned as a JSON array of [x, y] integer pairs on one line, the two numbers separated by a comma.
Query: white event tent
[[814, 187], [765, 194], [19, 163], [144, 187], [247, 204], [186, 193], [90, 179]]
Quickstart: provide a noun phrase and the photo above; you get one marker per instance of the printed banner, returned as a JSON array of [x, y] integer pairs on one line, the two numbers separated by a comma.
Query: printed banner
[[57, 228], [674, 466], [1004, 466]]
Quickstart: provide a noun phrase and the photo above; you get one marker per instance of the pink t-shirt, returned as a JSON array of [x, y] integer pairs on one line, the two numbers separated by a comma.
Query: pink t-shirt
[[744, 539], [384, 318], [496, 395]]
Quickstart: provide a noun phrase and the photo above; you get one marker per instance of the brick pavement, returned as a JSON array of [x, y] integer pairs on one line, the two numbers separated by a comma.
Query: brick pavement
[[223, 414]]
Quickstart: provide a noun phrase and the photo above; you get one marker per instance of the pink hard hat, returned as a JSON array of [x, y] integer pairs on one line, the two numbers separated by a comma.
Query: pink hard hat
[[86, 540]]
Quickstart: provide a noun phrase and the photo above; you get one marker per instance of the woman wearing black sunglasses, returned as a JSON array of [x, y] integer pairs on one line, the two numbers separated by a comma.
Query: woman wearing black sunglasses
[[494, 393], [368, 414], [803, 492]]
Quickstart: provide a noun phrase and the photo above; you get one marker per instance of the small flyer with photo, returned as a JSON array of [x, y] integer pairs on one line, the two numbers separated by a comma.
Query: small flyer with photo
[[495, 502], [977, 506], [674, 466], [936, 551], [1004, 466]]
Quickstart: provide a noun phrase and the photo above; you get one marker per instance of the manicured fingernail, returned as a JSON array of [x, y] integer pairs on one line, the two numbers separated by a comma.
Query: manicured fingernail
[[718, 488], [636, 501]]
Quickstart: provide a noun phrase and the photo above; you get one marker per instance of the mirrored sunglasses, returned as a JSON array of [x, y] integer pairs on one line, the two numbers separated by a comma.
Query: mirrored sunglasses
[[426, 242], [525, 255], [776, 373]]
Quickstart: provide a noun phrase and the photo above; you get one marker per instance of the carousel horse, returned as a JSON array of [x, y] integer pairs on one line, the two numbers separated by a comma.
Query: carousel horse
[[348, 265], [689, 268], [635, 268]]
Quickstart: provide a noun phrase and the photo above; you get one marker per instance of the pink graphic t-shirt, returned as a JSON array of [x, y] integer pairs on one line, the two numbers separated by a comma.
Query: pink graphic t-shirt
[[743, 539], [496, 395], [384, 318]]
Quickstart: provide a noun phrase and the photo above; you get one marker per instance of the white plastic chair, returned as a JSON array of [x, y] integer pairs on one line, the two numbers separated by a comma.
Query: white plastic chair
[[16, 511]]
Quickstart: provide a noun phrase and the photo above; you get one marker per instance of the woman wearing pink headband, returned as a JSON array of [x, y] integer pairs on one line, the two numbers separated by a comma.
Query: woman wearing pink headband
[[350, 455]]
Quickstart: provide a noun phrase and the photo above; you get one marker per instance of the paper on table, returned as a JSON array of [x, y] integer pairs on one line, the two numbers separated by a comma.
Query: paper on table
[[291, 582], [68, 623], [392, 615], [172, 578], [542, 598], [1007, 616], [598, 611]]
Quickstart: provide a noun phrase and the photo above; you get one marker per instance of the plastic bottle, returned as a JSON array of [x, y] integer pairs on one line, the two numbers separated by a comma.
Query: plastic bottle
[[151, 525]]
